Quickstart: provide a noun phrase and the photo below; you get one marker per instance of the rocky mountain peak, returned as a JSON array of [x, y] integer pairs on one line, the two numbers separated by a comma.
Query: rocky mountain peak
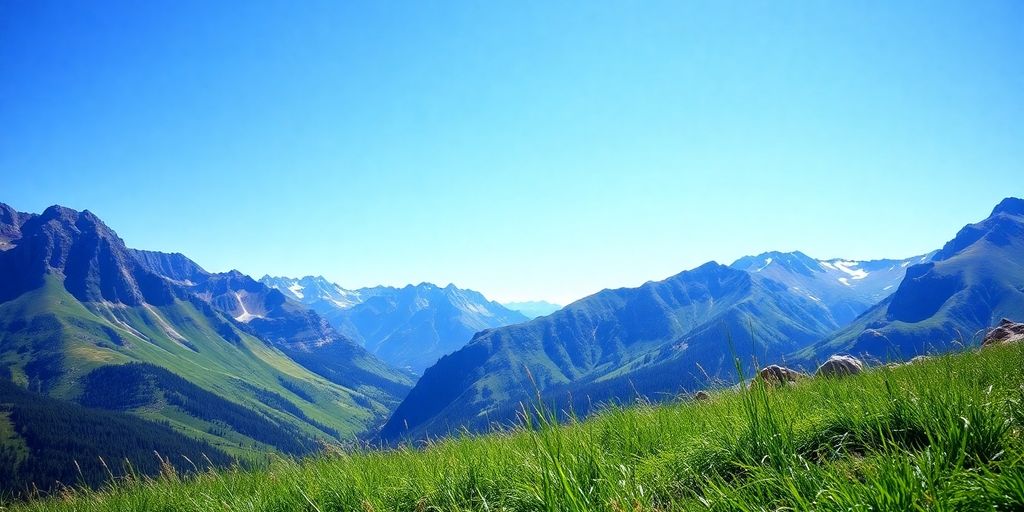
[[1009, 206], [86, 254]]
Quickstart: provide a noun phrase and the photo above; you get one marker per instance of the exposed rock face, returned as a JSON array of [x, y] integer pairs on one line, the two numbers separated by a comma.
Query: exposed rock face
[[174, 266], [838, 366], [88, 256], [1007, 331], [776, 375], [11, 221]]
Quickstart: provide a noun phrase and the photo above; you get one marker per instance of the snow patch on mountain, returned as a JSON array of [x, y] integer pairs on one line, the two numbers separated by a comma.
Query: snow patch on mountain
[[767, 261], [848, 267], [311, 290]]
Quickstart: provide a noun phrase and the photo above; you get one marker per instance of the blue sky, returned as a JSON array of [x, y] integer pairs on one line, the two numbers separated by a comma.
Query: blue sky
[[530, 150]]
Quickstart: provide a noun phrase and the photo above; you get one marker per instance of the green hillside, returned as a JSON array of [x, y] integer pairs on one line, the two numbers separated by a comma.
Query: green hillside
[[86, 320], [942, 434], [50, 342], [45, 442]]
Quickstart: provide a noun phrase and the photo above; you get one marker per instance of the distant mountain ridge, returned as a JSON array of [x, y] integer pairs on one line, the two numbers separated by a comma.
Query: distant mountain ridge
[[409, 327], [533, 308], [847, 288], [320, 294]]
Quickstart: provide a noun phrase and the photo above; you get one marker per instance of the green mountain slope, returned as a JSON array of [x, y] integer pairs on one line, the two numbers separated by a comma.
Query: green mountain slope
[[942, 434], [976, 279], [44, 441], [659, 338], [74, 301], [292, 327]]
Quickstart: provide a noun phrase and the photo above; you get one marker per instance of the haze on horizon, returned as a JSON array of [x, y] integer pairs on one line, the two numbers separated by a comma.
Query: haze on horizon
[[527, 150]]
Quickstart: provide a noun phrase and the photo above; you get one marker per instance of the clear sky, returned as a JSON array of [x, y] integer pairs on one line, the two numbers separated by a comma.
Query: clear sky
[[529, 150]]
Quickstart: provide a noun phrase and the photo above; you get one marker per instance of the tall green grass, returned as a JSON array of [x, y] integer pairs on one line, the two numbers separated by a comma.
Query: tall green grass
[[943, 434]]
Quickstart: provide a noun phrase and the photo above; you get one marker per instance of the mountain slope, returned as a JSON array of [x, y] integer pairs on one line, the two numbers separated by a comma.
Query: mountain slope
[[174, 266], [412, 327], [74, 301], [976, 279], [409, 327], [847, 288], [44, 441], [659, 338], [303, 335]]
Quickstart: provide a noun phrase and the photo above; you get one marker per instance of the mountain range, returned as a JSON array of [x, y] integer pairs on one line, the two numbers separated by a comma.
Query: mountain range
[[686, 332], [409, 327], [846, 288], [321, 295], [173, 355]]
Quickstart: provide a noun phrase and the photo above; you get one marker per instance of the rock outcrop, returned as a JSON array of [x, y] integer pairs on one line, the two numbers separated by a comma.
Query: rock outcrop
[[1007, 331], [839, 366]]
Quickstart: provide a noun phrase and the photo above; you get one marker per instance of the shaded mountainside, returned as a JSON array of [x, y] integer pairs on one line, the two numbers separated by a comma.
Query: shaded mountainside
[[409, 327], [75, 301], [975, 280], [846, 288], [662, 337]]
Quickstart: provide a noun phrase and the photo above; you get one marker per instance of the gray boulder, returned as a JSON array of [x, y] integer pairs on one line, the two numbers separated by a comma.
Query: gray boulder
[[776, 375], [839, 366]]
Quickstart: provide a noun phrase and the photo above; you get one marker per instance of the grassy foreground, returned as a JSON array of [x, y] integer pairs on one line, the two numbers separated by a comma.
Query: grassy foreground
[[943, 434]]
